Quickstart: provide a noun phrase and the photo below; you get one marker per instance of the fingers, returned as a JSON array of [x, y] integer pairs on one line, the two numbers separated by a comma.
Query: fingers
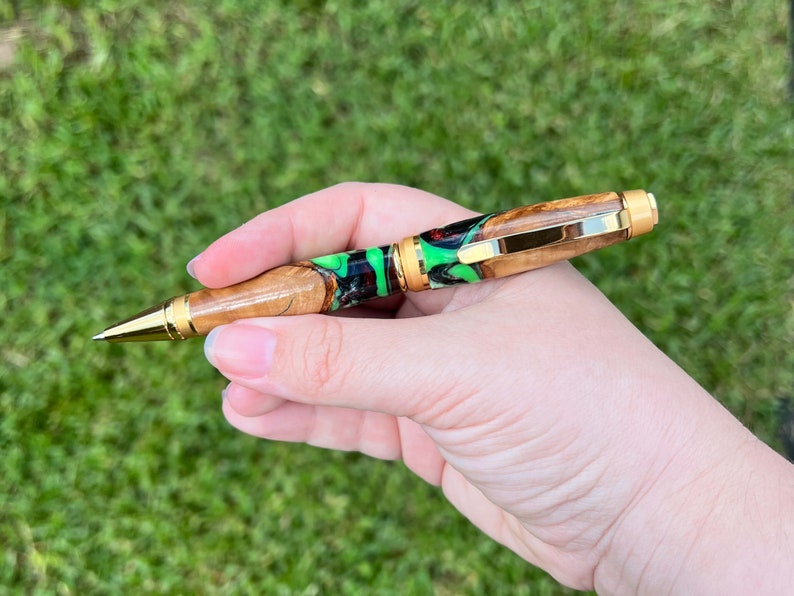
[[371, 433], [420, 453], [346, 216], [376, 435], [389, 366], [404, 367], [425, 366]]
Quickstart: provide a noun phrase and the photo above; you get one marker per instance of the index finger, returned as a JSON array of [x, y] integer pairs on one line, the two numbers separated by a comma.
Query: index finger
[[342, 217]]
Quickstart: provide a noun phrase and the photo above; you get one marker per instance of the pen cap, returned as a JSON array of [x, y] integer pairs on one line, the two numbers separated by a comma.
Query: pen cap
[[642, 212], [534, 236]]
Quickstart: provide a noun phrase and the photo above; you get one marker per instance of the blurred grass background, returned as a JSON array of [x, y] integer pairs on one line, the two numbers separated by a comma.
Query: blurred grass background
[[132, 133]]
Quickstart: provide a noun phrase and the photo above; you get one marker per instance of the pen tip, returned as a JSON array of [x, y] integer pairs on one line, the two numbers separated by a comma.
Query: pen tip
[[99, 336]]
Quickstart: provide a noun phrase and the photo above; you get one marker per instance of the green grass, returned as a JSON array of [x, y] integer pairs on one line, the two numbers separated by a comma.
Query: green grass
[[134, 133]]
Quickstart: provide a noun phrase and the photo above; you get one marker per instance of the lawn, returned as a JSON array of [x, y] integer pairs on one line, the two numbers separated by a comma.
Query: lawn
[[133, 133]]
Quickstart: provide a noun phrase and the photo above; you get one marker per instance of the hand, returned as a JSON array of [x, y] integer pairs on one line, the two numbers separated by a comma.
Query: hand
[[545, 416]]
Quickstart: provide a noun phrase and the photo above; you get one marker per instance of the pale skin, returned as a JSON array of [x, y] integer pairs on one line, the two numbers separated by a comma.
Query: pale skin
[[543, 414]]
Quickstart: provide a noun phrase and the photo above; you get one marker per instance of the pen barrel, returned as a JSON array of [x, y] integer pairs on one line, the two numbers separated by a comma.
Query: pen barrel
[[522, 239], [549, 215], [479, 248], [315, 286]]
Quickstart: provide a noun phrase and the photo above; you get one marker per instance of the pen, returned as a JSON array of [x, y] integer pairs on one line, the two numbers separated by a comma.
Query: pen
[[476, 249]]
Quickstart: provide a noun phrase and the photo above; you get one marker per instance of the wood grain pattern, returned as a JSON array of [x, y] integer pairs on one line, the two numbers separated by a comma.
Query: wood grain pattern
[[535, 259], [289, 290], [543, 215]]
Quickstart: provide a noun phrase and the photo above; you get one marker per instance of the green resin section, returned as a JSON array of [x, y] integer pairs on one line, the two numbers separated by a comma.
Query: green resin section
[[376, 259], [336, 263], [439, 255], [465, 272], [357, 275]]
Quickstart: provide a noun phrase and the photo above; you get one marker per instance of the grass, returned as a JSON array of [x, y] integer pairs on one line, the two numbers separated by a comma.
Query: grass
[[132, 133]]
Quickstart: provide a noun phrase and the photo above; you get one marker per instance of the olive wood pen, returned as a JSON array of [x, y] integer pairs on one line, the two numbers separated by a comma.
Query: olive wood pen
[[476, 249]]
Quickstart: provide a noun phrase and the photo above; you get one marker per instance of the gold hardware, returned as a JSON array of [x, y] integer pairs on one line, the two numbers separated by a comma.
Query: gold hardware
[[398, 267], [413, 264], [642, 211], [588, 227]]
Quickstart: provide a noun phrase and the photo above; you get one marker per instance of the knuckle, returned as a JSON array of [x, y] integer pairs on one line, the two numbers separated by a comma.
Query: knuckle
[[323, 366]]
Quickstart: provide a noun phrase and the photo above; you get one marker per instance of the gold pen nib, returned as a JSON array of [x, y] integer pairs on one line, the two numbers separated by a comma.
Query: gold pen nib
[[167, 321], [148, 325]]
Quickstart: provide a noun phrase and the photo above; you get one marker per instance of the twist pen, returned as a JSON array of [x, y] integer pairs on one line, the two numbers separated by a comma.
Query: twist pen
[[481, 248]]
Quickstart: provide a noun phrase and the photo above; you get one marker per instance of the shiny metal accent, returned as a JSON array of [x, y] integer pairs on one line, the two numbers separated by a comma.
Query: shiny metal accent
[[413, 264], [588, 227], [169, 320], [420, 256], [654, 208], [179, 324], [643, 213], [149, 325], [188, 317], [398, 266]]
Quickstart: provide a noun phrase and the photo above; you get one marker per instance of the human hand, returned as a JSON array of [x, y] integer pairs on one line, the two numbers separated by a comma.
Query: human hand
[[545, 416]]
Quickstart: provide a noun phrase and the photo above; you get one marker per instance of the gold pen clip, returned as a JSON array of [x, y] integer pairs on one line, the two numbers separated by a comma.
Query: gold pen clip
[[588, 227]]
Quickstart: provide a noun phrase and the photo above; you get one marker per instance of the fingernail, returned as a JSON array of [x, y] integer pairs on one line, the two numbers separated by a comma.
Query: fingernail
[[241, 350], [191, 266]]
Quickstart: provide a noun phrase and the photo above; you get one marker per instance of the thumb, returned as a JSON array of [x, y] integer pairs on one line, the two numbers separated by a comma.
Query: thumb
[[383, 365]]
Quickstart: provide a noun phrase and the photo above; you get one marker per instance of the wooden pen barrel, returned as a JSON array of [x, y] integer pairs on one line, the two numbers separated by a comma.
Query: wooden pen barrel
[[429, 260], [287, 290], [433, 260], [543, 215], [315, 286], [479, 248]]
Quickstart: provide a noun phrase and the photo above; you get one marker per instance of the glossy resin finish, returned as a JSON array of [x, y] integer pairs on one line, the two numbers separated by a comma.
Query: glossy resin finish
[[440, 246], [358, 275]]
